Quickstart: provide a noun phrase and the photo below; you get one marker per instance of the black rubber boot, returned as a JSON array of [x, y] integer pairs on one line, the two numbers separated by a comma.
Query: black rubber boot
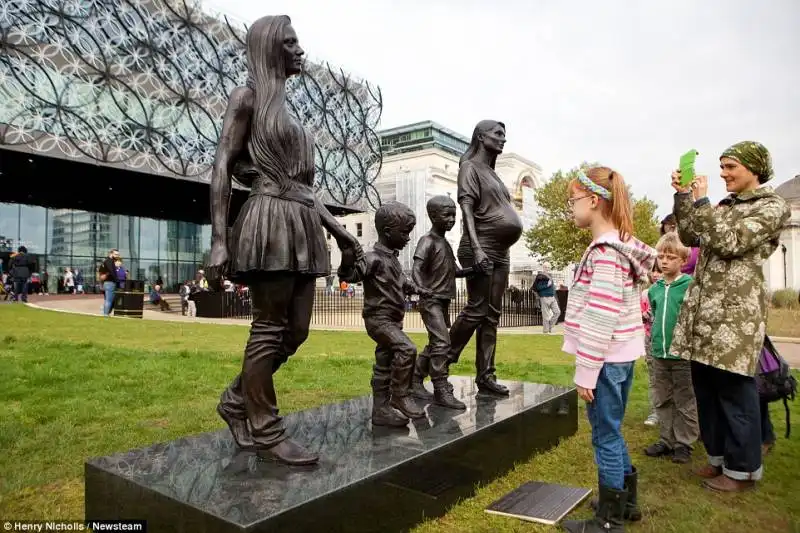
[[607, 518], [632, 511]]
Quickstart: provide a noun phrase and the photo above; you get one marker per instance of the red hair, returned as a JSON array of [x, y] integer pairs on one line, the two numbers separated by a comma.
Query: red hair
[[618, 208]]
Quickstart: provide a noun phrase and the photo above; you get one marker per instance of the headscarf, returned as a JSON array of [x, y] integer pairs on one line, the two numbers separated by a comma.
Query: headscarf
[[754, 156]]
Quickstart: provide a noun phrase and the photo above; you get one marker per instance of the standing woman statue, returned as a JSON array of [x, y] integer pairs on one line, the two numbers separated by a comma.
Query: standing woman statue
[[490, 227], [277, 245]]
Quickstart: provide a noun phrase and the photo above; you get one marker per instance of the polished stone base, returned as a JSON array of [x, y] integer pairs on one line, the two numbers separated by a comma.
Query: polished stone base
[[368, 479]]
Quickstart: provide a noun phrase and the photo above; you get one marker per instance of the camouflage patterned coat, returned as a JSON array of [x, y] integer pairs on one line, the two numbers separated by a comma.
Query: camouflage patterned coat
[[723, 318]]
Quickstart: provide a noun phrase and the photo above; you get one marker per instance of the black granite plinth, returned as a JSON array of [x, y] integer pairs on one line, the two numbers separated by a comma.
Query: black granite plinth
[[368, 479]]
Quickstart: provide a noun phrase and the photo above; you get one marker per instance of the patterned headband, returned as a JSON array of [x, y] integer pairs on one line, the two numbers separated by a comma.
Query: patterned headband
[[593, 187]]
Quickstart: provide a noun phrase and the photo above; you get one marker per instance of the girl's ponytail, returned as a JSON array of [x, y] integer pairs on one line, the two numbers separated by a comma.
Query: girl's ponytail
[[621, 212]]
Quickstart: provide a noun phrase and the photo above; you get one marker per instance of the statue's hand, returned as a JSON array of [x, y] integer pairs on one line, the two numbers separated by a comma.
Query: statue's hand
[[482, 261], [218, 262], [346, 240]]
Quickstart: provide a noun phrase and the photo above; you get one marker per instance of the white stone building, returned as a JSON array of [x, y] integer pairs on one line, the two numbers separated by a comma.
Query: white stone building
[[421, 161], [782, 270]]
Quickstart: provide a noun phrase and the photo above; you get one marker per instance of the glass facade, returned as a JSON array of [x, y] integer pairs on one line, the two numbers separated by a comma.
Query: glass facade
[[64, 238]]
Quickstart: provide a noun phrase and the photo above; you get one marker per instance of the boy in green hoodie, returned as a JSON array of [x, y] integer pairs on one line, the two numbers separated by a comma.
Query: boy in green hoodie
[[673, 394]]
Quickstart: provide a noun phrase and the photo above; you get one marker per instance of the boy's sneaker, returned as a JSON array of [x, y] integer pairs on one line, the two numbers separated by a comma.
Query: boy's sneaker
[[659, 449], [651, 420], [681, 455]]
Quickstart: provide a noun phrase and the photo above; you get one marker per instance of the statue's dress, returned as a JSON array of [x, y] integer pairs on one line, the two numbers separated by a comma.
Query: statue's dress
[[278, 229]]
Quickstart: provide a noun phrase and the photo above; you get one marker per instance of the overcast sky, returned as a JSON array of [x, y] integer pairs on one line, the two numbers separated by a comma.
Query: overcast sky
[[631, 84]]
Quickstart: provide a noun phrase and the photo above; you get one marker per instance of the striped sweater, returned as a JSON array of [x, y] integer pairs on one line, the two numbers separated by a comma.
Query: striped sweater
[[603, 322]]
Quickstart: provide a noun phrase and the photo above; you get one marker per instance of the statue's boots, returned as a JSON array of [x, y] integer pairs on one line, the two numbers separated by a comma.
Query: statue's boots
[[421, 369], [486, 344], [382, 412], [443, 395], [401, 385], [238, 426], [289, 452]]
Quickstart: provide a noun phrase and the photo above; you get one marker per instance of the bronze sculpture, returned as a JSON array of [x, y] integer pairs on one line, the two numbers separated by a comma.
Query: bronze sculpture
[[490, 227], [385, 291], [277, 244], [435, 269]]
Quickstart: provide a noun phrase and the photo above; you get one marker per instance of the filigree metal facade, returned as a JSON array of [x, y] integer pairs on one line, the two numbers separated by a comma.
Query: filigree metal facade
[[143, 85]]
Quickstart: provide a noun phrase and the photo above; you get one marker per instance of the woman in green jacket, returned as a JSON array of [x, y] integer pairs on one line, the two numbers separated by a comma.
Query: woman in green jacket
[[723, 321]]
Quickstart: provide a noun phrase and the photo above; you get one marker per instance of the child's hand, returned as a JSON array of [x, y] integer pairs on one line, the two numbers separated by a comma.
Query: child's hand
[[348, 256], [587, 395], [425, 293]]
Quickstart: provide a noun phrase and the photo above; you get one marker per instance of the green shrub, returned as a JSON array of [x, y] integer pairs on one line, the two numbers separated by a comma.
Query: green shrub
[[785, 299]]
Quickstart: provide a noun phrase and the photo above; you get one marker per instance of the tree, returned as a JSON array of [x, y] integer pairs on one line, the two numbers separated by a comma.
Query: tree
[[555, 238]]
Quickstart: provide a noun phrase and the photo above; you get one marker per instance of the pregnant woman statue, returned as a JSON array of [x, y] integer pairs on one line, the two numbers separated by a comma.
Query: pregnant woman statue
[[490, 227], [277, 244]]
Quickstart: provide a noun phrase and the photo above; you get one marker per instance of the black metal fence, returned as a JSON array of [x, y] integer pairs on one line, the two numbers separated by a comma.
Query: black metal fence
[[336, 308]]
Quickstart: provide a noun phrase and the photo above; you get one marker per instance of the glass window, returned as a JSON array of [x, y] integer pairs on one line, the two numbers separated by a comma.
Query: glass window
[[32, 228], [148, 238], [169, 273], [88, 230], [205, 244], [189, 242], [125, 230], [60, 229], [55, 266], [167, 241], [9, 227], [186, 272], [147, 270], [359, 229], [85, 270]]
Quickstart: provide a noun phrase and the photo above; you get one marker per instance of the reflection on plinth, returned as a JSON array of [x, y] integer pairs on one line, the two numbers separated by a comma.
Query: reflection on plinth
[[368, 478]]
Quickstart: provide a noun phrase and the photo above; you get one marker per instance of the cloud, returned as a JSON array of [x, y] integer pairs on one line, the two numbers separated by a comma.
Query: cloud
[[631, 84]]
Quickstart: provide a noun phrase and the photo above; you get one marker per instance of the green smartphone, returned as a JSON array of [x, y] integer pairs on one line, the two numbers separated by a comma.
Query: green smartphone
[[686, 167]]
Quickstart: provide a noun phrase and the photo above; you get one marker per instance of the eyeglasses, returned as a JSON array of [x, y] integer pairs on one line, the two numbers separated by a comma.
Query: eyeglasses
[[572, 201]]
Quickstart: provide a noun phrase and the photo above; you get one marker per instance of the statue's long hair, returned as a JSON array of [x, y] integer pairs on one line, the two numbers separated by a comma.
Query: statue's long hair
[[272, 138], [475, 143]]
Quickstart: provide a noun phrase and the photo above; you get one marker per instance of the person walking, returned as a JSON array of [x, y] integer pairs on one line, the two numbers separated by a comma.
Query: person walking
[[108, 275], [544, 287], [20, 268]]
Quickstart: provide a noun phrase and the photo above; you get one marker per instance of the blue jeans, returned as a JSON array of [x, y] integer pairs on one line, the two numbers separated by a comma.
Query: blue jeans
[[108, 303], [605, 416]]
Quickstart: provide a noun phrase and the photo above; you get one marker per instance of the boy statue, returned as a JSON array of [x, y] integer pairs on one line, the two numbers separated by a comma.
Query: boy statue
[[385, 290], [435, 269]]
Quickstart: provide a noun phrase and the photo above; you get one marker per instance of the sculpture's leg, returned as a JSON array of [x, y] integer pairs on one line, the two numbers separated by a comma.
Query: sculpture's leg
[[437, 320], [382, 413], [231, 409], [273, 301], [471, 316], [421, 371], [487, 335], [404, 353]]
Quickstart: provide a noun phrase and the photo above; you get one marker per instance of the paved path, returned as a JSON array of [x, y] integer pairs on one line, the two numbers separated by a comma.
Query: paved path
[[91, 304], [790, 352]]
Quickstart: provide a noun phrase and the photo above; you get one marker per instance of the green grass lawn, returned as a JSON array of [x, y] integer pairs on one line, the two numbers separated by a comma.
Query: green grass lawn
[[74, 387]]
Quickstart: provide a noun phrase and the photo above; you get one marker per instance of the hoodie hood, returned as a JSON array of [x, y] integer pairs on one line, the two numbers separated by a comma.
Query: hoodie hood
[[683, 279], [641, 256]]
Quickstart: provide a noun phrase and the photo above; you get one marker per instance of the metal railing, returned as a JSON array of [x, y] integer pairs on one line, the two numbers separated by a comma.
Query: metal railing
[[336, 308]]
